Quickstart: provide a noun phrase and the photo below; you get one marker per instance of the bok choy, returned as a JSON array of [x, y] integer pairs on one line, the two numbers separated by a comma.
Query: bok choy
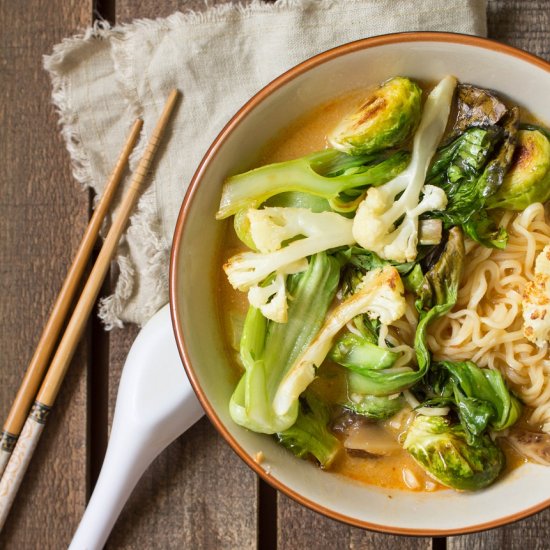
[[324, 174], [269, 350]]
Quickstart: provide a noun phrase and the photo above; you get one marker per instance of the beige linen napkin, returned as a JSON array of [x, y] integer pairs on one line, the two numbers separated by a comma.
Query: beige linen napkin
[[106, 77]]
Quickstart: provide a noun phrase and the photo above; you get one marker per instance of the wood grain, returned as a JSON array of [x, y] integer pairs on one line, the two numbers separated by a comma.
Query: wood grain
[[524, 24], [43, 214], [299, 527], [197, 494]]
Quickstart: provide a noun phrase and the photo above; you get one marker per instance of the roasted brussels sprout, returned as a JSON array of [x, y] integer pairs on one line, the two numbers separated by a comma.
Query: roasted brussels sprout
[[386, 118], [528, 179], [443, 450]]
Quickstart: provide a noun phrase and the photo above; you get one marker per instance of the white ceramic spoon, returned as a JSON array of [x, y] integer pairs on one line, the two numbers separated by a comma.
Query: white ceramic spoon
[[155, 404]]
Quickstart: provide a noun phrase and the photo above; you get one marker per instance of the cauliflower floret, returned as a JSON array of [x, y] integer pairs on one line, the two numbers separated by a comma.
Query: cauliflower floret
[[536, 302], [374, 223], [269, 227], [380, 295], [271, 299], [542, 263]]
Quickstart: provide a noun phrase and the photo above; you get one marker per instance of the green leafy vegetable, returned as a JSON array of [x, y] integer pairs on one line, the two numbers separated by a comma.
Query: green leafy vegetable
[[439, 287], [379, 296], [372, 406], [436, 296], [295, 199], [386, 118], [309, 435], [320, 174], [460, 177], [471, 169], [413, 280], [369, 328], [480, 396], [450, 456], [269, 349], [493, 174], [359, 354], [484, 230], [368, 260], [438, 293], [383, 382]]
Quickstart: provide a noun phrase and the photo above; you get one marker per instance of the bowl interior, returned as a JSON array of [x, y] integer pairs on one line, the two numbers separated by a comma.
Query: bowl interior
[[195, 273]]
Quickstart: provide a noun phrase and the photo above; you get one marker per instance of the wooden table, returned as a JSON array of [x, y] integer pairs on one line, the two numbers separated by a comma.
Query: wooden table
[[198, 494]]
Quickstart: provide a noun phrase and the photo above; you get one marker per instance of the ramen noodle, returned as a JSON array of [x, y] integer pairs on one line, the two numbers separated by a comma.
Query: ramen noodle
[[486, 324]]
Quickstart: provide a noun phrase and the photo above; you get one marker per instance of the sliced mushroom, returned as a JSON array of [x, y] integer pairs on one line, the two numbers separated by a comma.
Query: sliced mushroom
[[534, 446], [371, 439], [363, 437], [477, 107]]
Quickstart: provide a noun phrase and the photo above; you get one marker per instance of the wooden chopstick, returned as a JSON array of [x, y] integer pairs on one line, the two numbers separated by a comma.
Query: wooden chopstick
[[37, 366], [34, 425]]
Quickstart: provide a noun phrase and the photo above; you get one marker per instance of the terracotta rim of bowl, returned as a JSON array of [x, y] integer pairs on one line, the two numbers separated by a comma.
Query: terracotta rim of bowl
[[180, 226]]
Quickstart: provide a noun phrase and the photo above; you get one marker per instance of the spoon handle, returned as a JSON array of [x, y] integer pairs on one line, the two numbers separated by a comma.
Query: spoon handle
[[155, 404], [123, 466]]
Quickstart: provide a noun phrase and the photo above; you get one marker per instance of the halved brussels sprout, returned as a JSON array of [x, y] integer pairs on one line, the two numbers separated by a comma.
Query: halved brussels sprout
[[386, 118], [528, 179], [451, 456]]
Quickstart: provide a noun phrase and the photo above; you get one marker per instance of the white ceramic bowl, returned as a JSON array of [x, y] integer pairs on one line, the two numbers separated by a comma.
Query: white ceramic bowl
[[518, 76]]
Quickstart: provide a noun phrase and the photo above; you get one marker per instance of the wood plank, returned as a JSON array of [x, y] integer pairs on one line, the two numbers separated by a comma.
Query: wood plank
[[524, 24], [197, 494], [43, 214], [300, 527]]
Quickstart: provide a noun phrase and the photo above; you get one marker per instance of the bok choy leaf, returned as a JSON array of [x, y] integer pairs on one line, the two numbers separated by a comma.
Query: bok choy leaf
[[309, 436], [479, 396], [269, 349]]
